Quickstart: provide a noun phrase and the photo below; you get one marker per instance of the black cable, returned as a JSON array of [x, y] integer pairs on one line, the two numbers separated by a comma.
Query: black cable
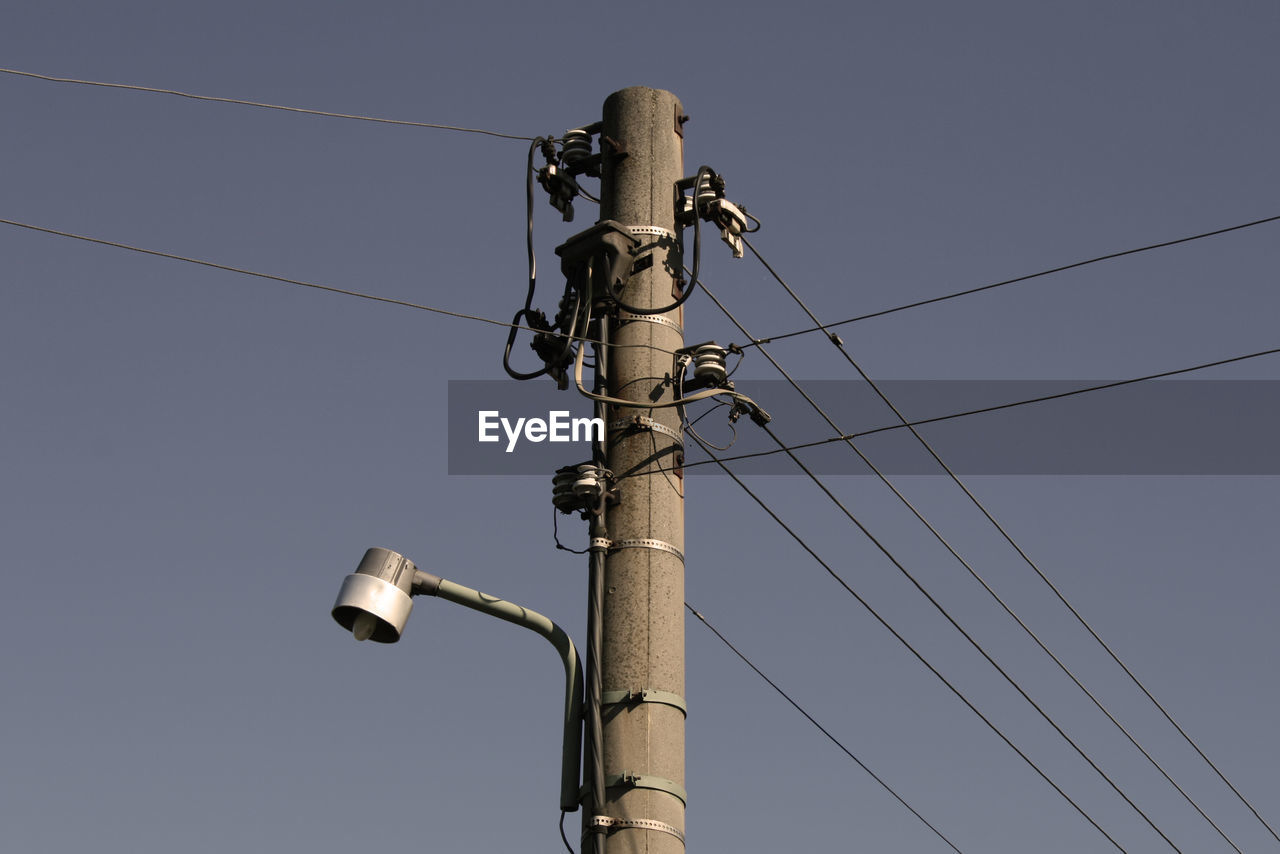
[[937, 605], [973, 573], [697, 258], [578, 290], [593, 725], [678, 373], [526, 312], [965, 634], [689, 426], [255, 104], [826, 326], [821, 728], [555, 533], [299, 282], [835, 339], [594, 691], [847, 436], [562, 833], [902, 640], [741, 358]]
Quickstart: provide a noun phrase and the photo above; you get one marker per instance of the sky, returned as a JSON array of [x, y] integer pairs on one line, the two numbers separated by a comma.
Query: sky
[[192, 459]]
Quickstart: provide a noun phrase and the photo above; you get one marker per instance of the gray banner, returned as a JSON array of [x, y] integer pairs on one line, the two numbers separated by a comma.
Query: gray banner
[[1167, 427]]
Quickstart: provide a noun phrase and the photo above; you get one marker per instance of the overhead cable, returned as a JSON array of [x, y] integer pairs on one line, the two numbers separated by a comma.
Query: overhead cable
[[973, 573], [819, 726], [242, 102], [968, 637], [526, 312], [826, 326], [844, 437], [907, 644], [835, 339], [299, 282]]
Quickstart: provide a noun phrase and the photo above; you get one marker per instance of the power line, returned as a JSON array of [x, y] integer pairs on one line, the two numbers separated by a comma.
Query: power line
[[985, 586], [969, 638], [265, 106], [902, 640], [299, 282], [956, 625], [826, 326], [835, 339], [845, 437], [820, 727]]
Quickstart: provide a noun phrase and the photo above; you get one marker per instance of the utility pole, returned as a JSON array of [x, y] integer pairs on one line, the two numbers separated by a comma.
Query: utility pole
[[641, 654]]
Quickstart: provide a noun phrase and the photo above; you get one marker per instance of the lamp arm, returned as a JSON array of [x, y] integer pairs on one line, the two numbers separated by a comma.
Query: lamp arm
[[426, 584]]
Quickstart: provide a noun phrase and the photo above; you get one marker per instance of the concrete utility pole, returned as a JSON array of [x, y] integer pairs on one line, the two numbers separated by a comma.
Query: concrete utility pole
[[642, 651]]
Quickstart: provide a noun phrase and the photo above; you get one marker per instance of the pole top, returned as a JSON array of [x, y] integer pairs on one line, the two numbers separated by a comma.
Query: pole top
[[640, 94]]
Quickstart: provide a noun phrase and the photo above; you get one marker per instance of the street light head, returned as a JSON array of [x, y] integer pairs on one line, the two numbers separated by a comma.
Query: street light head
[[374, 602]]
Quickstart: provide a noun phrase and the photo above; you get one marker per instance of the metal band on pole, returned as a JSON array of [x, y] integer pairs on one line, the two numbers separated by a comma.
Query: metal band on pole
[[646, 695], [640, 543], [647, 781], [628, 317], [644, 422], [611, 825]]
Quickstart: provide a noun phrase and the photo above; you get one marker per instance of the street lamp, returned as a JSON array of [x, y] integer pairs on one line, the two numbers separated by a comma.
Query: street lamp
[[374, 604]]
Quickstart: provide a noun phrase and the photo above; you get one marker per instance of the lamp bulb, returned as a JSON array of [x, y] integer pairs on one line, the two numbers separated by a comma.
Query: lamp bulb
[[364, 626]]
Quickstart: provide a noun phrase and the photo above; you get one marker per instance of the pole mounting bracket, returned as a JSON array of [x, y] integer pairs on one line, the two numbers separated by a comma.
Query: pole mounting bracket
[[643, 543], [628, 780], [609, 825], [628, 317], [644, 695], [644, 422], [638, 231]]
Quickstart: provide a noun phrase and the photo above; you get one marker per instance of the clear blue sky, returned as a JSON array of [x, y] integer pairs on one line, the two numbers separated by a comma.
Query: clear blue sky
[[191, 460]]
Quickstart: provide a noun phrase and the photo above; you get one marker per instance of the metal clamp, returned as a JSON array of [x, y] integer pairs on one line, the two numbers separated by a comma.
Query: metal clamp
[[650, 231], [647, 781], [645, 695], [643, 543], [644, 422], [628, 317], [609, 825]]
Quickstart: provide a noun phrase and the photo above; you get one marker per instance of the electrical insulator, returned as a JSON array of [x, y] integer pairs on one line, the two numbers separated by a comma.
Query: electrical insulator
[[590, 484], [562, 494], [579, 487], [709, 365], [706, 194], [577, 146]]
